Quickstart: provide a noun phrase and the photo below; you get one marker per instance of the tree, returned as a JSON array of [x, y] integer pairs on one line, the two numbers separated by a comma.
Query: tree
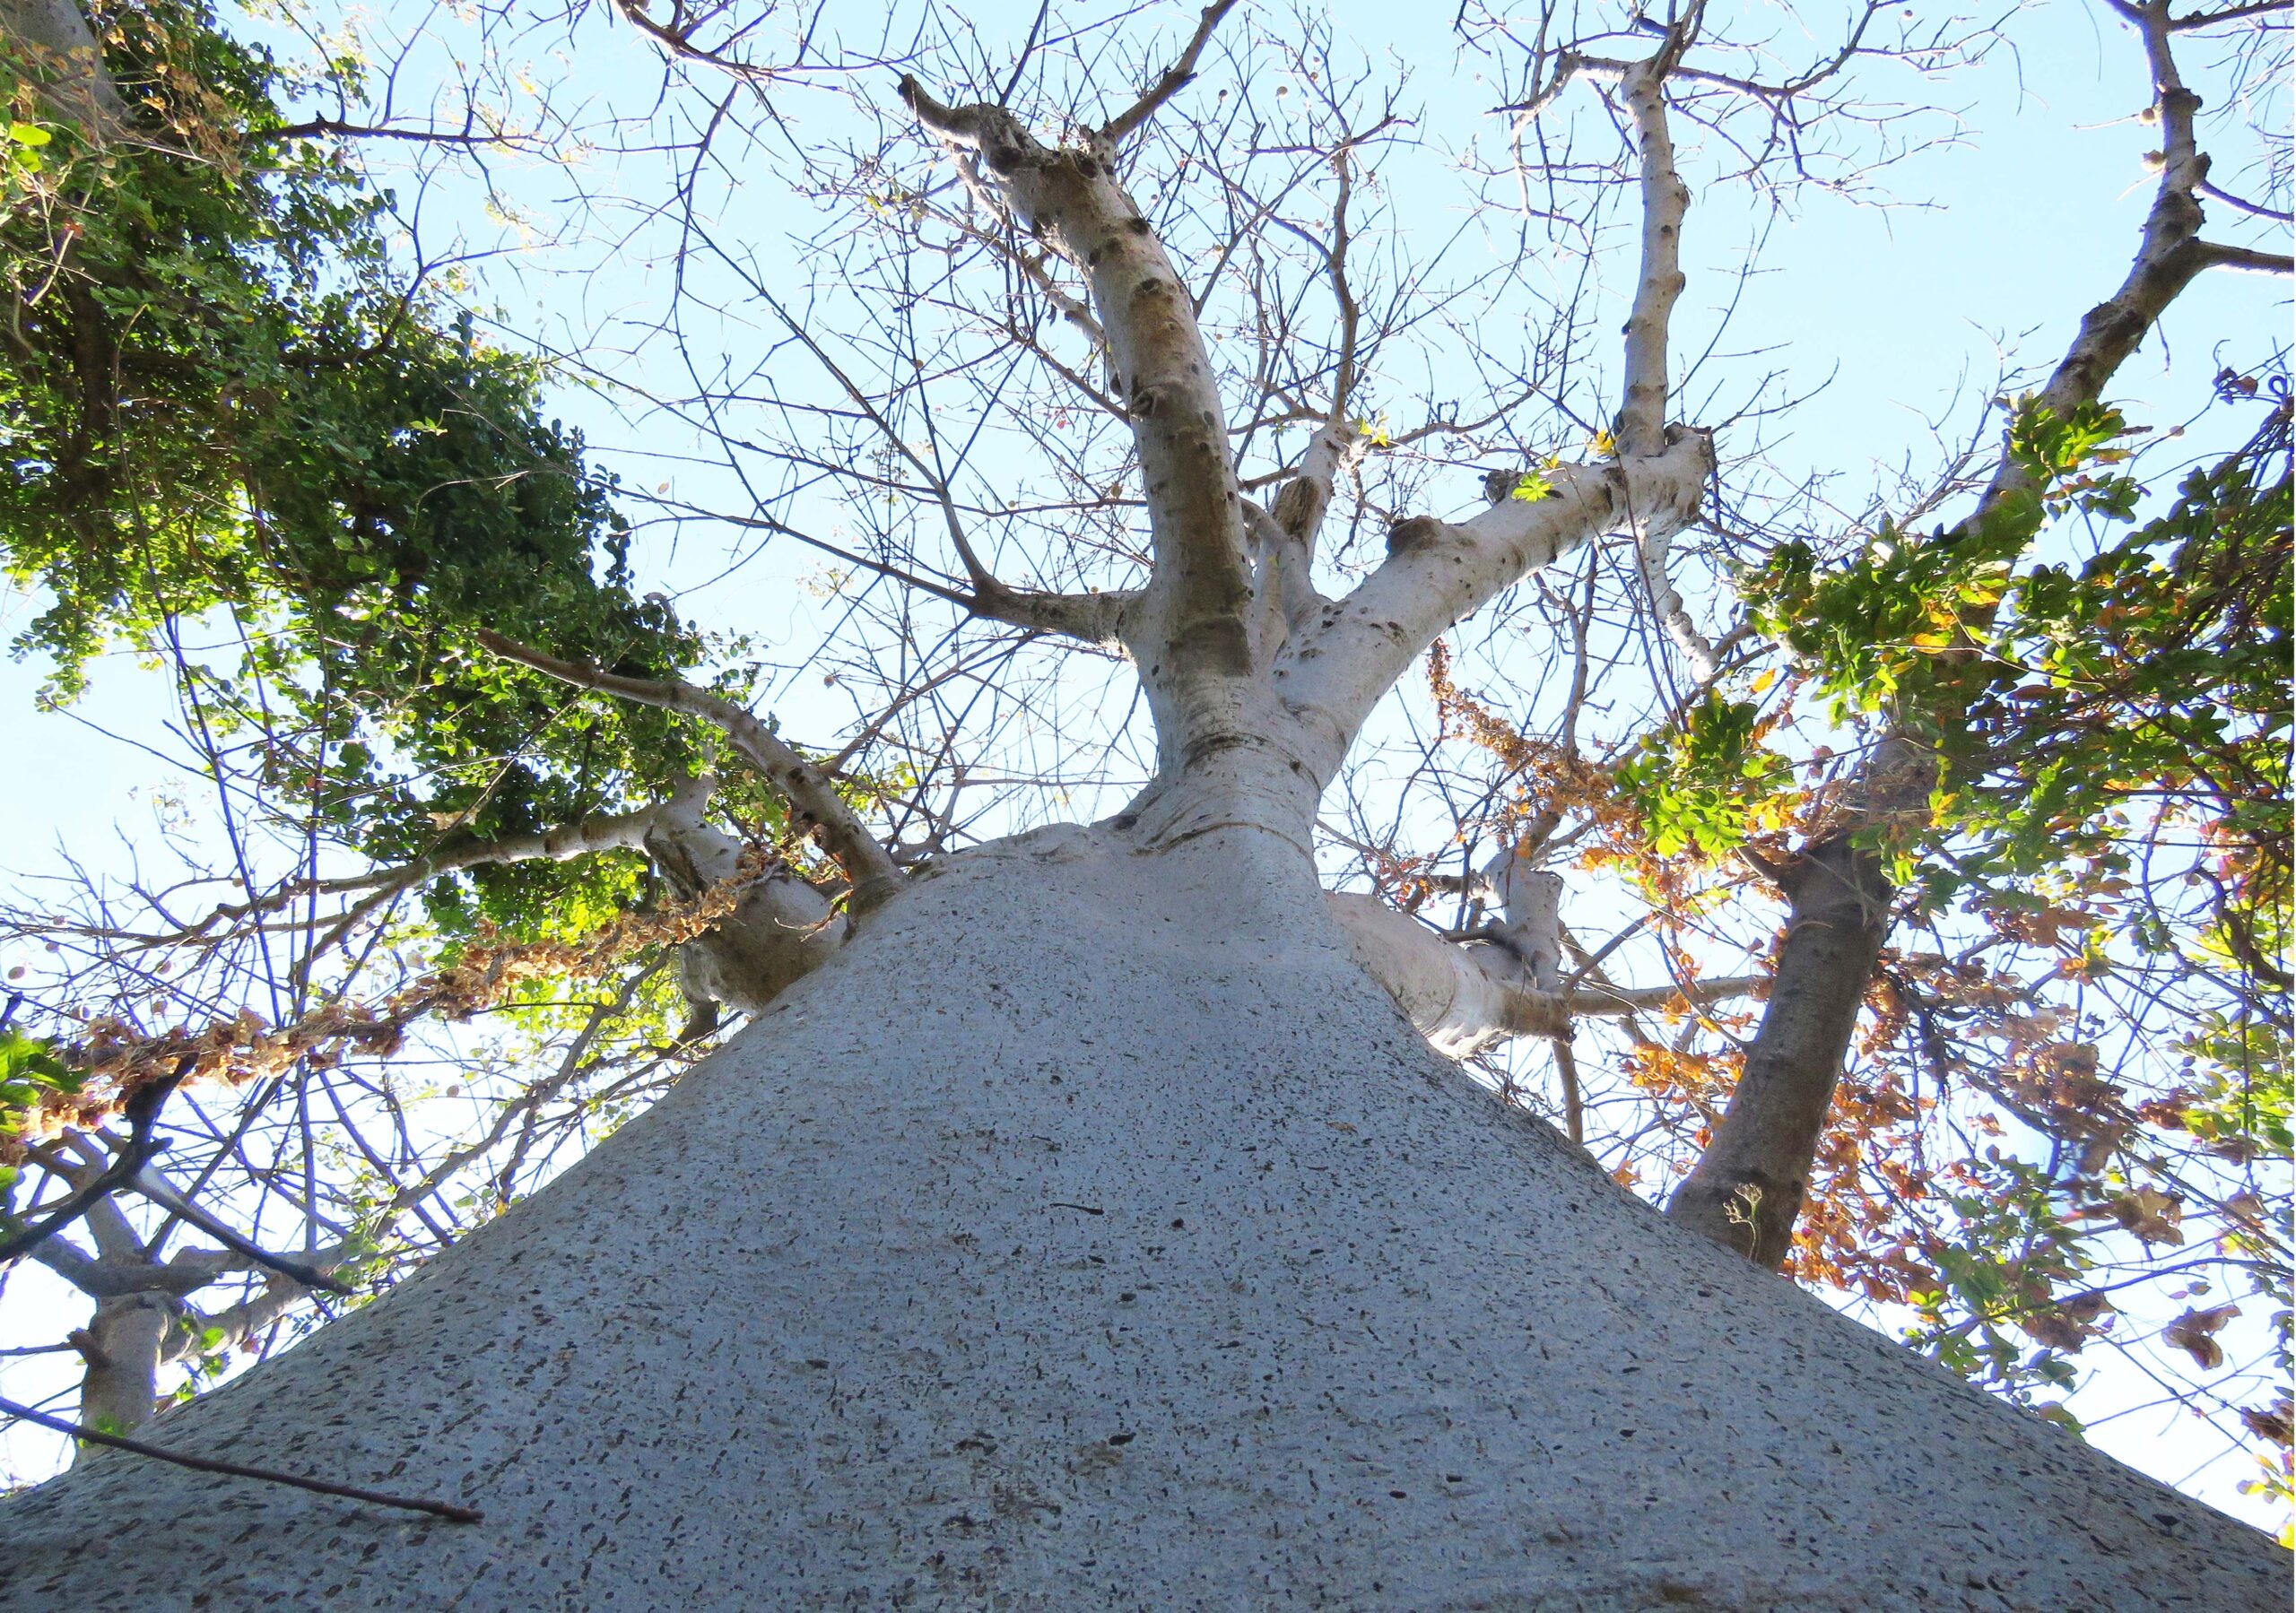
[[1077, 1222], [227, 397]]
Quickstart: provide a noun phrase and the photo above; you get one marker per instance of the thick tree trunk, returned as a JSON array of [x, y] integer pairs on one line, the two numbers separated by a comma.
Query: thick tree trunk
[[1091, 1232], [1747, 1190]]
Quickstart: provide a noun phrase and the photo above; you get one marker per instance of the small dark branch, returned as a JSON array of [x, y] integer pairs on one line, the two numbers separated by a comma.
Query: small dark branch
[[1119, 128], [311, 1276], [676, 37], [809, 792], [142, 1110], [318, 127], [1779, 873], [208, 1464]]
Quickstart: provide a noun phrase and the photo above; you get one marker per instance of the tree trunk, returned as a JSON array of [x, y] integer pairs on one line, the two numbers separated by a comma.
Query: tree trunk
[[121, 1386], [1091, 1232], [53, 38], [1747, 1189]]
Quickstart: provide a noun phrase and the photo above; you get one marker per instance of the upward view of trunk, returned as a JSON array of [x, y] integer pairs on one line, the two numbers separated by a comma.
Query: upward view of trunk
[[1091, 1232], [1080, 1222]]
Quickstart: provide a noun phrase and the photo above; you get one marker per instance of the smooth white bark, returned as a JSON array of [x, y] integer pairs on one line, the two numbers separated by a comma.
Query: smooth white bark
[[1440, 572], [1469, 998], [1642, 415]]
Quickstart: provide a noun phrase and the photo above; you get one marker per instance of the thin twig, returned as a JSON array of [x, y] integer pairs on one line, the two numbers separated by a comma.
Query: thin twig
[[208, 1464]]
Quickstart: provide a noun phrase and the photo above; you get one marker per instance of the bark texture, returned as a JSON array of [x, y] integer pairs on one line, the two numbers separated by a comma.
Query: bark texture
[[1091, 1232], [53, 40], [1747, 1189], [122, 1347]]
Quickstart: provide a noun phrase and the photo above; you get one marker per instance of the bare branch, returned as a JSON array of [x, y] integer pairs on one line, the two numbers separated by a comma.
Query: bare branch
[[1438, 572], [208, 1464], [1200, 586], [2217, 254], [1642, 417], [1120, 128], [808, 790], [1467, 999]]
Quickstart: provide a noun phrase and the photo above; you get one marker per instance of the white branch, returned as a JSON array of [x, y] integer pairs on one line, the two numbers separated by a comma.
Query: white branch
[[1642, 417], [1439, 572], [1190, 629], [1466, 999]]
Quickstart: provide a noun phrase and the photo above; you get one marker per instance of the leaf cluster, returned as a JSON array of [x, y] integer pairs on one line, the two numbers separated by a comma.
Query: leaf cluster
[[220, 397], [1702, 783]]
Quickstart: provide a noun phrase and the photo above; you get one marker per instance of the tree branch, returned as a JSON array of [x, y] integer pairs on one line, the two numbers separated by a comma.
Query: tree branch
[[1189, 631], [2167, 256], [2217, 254], [808, 790], [605, 831], [142, 1111], [208, 1464], [335, 126], [1746, 1191], [1120, 128], [1467, 999], [148, 1182], [1642, 417], [1439, 572]]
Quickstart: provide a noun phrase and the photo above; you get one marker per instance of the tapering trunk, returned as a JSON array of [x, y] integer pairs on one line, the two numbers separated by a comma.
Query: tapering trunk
[[1747, 1189], [1091, 1232]]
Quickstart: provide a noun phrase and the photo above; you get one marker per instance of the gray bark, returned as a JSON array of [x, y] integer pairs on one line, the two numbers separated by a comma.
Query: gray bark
[[55, 41], [122, 1347], [783, 930], [1091, 1232], [1747, 1189]]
